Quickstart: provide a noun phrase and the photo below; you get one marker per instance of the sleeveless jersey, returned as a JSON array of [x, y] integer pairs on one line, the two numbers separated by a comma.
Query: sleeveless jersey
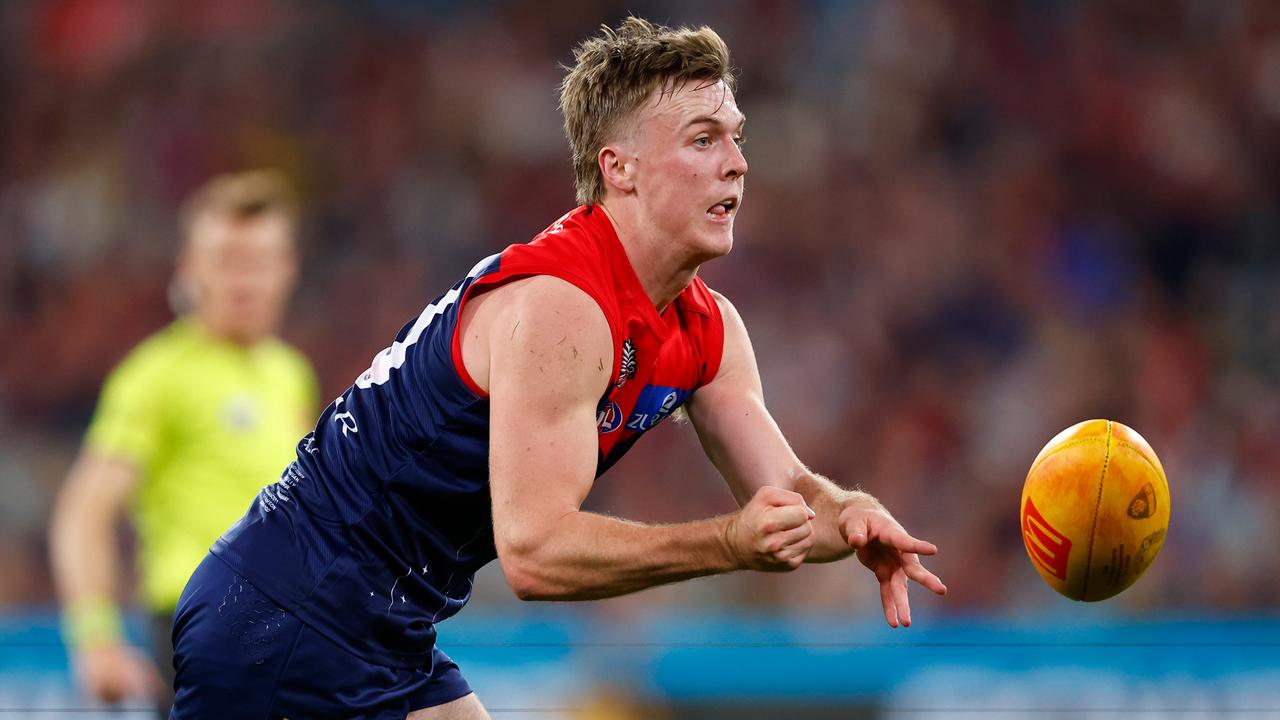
[[375, 532]]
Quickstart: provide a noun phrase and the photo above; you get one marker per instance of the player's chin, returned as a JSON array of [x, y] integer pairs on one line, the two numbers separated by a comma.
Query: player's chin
[[717, 240]]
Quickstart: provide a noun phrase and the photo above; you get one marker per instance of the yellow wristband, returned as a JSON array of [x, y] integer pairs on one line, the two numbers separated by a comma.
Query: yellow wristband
[[91, 622]]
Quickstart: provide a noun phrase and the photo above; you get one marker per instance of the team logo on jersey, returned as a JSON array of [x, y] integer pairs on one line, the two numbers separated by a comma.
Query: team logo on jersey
[[655, 404], [627, 367], [609, 417]]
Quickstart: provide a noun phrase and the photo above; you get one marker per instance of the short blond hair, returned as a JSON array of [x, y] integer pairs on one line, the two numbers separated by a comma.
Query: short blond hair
[[614, 73], [242, 196]]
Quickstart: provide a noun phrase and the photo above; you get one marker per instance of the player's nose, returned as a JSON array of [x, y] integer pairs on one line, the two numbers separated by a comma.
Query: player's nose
[[737, 164]]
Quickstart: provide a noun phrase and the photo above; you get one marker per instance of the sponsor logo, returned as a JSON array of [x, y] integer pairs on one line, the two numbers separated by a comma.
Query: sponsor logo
[[1143, 504], [278, 493], [1048, 548], [655, 404], [627, 367], [609, 417]]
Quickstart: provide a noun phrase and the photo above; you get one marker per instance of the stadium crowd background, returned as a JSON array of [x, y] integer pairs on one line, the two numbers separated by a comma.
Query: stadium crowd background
[[967, 226]]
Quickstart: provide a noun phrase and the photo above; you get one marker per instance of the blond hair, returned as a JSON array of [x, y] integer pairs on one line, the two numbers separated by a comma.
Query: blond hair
[[614, 73], [242, 196]]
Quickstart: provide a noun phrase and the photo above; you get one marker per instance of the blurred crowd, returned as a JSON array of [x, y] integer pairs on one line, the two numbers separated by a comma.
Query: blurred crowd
[[968, 225]]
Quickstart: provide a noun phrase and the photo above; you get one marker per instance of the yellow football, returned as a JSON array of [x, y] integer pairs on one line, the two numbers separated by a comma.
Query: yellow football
[[1095, 510]]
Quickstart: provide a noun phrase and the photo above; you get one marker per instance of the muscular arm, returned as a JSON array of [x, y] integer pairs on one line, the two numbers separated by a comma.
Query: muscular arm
[[743, 441], [549, 353], [747, 447]]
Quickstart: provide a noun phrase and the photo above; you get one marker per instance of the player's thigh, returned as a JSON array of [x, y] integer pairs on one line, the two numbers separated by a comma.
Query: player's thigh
[[467, 707]]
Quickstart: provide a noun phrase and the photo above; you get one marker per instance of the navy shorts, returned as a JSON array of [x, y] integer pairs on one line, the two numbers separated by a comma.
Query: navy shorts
[[238, 655]]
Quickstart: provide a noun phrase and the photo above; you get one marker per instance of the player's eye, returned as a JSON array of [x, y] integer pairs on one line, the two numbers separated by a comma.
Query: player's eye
[[740, 140], [702, 141]]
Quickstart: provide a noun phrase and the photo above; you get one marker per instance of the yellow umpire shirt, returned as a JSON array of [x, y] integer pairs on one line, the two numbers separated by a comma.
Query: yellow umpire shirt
[[207, 423]]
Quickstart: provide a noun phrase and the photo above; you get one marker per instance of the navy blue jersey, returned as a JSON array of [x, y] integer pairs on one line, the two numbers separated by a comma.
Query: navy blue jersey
[[374, 533]]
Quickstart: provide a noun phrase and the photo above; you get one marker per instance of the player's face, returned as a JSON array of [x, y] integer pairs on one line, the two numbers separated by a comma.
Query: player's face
[[690, 167], [242, 272]]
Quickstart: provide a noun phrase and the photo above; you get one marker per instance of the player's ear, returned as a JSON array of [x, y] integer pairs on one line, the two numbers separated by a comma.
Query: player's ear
[[617, 168]]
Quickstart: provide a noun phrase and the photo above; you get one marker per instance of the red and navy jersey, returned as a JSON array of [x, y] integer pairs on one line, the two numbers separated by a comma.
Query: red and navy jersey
[[375, 532]]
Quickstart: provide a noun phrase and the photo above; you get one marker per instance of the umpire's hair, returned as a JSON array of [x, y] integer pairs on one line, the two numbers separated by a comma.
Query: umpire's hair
[[242, 196], [239, 196], [614, 73]]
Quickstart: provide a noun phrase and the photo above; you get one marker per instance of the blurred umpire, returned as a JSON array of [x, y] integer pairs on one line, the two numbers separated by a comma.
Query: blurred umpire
[[190, 425]]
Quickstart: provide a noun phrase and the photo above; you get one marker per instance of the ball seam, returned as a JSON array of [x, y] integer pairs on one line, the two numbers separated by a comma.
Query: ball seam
[[1093, 531], [1060, 448], [1142, 454]]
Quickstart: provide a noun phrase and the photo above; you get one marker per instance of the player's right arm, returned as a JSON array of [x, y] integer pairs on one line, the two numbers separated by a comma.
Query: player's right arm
[[543, 350], [86, 563]]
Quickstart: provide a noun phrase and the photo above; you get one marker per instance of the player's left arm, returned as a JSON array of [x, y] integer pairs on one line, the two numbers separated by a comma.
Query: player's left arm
[[744, 442]]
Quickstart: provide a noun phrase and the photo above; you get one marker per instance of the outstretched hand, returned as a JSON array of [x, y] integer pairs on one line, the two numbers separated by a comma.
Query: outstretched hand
[[885, 548]]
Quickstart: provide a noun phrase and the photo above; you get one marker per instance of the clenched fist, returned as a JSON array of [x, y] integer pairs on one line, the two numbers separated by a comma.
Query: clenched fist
[[772, 532]]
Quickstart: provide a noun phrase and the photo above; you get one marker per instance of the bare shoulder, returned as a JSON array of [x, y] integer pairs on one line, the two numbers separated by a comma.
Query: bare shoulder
[[532, 308], [727, 309], [539, 325]]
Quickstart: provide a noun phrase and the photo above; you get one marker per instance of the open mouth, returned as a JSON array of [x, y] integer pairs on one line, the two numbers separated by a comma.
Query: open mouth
[[724, 208]]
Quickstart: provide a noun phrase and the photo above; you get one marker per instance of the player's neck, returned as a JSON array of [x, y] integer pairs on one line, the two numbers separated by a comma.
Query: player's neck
[[663, 271]]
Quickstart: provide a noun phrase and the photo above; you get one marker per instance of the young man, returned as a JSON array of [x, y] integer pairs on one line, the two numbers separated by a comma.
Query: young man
[[190, 426], [478, 433]]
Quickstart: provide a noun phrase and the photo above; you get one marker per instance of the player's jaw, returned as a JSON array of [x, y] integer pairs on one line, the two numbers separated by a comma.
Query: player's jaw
[[715, 224]]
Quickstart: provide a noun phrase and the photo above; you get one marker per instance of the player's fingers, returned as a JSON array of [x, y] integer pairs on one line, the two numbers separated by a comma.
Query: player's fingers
[[898, 585], [894, 536], [887, 601], [856, 532], [785, 517], [797, 548], [789, 538], [776, 496], [918, 572], [793, 557], [781, 547]]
